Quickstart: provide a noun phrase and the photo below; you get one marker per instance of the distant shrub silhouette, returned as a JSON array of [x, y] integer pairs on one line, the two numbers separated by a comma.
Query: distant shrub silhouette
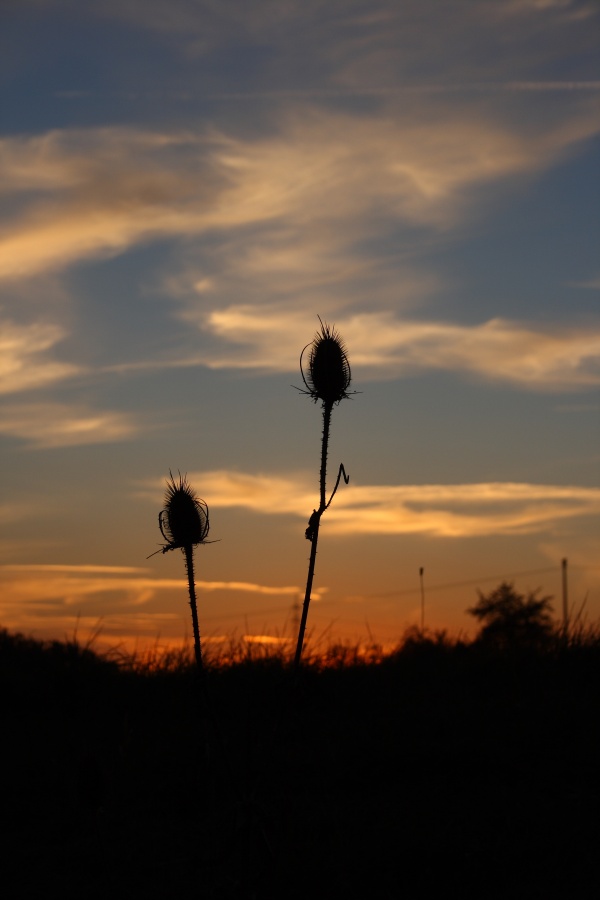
[[513, 620], [326, 377]]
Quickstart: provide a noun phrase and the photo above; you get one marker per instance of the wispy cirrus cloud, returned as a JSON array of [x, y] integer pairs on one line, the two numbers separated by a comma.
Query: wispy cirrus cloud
[[468, 510], [385, 346], [26, 356], [53, 590], [438, 510], [345, 178], [84, 194], [48, 425], [73, 582], [326, 39], [125, 604]]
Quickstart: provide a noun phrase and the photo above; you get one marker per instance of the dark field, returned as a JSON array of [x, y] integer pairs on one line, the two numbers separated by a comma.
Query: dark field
[[441, 770]]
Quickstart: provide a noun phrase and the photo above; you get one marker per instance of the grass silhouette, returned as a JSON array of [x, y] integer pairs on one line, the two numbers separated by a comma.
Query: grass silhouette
[[440, 767]]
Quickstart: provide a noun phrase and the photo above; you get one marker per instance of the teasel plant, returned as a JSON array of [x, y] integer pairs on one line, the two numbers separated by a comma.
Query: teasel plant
[[326, 375], [184, 524]]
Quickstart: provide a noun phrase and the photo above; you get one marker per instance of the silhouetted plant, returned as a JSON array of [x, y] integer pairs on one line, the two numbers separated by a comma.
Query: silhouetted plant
[[511, 620], [326, 377], [184, 524]]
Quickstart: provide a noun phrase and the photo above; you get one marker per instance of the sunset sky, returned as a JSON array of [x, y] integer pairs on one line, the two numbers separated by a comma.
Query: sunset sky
[[185, 186]]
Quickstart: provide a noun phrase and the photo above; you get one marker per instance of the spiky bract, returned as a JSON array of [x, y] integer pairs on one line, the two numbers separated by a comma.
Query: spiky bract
[[327, 375], [184, 520]]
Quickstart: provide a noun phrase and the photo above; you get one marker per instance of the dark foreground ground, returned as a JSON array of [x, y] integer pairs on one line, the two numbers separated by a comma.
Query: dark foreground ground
[[442, 771]]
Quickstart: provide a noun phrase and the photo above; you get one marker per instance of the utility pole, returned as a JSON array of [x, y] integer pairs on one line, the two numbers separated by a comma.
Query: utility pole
[[421, 570], [565, 596]]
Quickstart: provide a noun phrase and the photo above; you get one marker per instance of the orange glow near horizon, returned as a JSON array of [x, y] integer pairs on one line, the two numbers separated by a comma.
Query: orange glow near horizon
[[135, 614]]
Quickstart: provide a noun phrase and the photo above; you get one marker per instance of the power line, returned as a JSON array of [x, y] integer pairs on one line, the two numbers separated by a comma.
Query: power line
[[401, 593], [469, 583]]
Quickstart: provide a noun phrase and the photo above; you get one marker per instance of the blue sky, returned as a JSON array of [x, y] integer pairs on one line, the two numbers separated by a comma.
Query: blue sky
[[185, 187]]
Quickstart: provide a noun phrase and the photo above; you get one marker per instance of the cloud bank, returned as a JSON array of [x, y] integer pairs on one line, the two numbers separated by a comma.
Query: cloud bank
[[51, 425], [450, 511], [35, 592], [85, 194], [384, 346], [24, 356]]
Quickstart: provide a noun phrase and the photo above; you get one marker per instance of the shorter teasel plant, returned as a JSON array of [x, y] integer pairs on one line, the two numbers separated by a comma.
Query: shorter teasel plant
[[184, 524], [326, 375]]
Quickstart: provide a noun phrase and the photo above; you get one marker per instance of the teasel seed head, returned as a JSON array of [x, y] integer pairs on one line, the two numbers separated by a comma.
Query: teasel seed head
[[327, 373], [184, 520]]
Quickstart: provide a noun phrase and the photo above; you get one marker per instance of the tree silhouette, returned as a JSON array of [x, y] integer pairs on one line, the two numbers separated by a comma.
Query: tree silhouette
[[509, 619]]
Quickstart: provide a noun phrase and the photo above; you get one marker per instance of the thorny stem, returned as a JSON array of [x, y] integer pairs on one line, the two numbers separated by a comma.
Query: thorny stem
[[327, 407], [189, 565], [309, 581]]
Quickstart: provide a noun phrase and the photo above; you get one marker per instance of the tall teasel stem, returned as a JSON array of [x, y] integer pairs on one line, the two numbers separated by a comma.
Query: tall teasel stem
[[327, 407], [184, 524], [189, 566], [327, 378]]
